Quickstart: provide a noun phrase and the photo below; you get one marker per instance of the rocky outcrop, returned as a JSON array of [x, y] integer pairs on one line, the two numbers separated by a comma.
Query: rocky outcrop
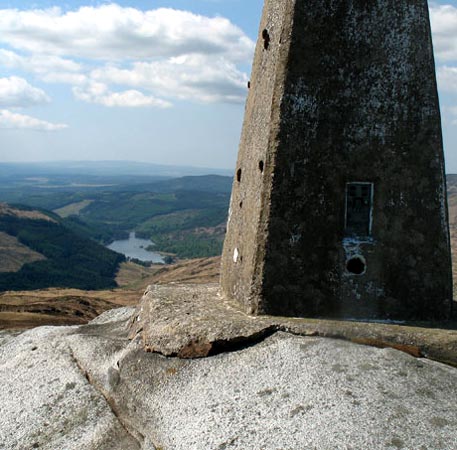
[[91, 387], [47, 401]]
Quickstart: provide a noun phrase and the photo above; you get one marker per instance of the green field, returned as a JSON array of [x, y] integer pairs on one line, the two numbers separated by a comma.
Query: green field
[[73, 209]]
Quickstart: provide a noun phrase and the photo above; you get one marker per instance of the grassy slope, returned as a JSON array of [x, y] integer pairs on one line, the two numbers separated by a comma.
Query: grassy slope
[[28, 309], [13, 254], [201, 270], [72, 208], [71, 260]]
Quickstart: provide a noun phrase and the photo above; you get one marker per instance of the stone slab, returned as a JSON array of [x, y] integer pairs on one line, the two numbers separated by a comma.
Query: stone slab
[[196, 321]]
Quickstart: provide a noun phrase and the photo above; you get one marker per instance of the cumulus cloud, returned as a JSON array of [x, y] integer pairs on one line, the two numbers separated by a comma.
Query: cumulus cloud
[[37, 63], [12, 120], [444, 26], [64, 78], [112, 32], [447, 78], [449, 115], [17, 92], [191, 77], [99, 93], [147, 55]]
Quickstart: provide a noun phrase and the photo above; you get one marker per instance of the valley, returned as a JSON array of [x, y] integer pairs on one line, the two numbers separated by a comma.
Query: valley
[[185, 218], [39, 252]]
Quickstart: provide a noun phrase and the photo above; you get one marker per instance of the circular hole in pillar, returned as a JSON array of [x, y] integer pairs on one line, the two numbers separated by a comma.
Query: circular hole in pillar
[[238, 175], [356, 265], [261, 166]]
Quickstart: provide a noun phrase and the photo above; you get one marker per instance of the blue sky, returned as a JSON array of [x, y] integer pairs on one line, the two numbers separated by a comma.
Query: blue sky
[[157, 81]]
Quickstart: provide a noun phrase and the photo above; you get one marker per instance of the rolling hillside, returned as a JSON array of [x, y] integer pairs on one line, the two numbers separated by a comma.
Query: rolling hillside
[[452, 204], [38, 251], [28, 309], [184, 216], [14, 255]]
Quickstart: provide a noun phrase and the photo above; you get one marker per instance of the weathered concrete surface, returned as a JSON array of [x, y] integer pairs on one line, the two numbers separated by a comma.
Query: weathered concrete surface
[[191, 320], [344, 92], [195, 321], [288, 391]]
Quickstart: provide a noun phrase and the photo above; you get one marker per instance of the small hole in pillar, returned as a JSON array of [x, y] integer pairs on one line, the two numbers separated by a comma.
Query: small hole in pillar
[[241, 205], [266, 39], [238, 175], [261, 165], [356, 265]]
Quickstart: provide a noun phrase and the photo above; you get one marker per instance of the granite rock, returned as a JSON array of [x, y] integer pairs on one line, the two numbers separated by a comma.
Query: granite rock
[[91, 387], [47, 402]]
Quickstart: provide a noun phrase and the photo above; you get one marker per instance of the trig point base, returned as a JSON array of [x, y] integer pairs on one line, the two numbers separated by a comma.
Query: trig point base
[[338, 206]]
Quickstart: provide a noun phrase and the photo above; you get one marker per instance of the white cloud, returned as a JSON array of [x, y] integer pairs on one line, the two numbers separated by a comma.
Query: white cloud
[[74, 79], [99, 93], [449, 115], [191, 77], [165, 52], [49, 68], [447, 78], [37, 63], [12, 120], [444, 26], [17, 92], [111, 32]]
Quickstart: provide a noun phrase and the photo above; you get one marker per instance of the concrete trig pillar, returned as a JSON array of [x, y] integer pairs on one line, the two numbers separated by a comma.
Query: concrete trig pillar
[[338, 206]]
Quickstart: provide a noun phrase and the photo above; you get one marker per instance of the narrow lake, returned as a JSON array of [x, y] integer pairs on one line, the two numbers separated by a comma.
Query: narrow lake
[[134, 247]]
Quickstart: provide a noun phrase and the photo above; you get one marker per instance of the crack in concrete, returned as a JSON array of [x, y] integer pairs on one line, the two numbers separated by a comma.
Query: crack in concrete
[[244, 342]]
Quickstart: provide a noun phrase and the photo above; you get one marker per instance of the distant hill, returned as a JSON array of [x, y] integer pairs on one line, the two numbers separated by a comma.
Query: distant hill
[[452, 204], [103, 169], [38, 251], [203, 183]]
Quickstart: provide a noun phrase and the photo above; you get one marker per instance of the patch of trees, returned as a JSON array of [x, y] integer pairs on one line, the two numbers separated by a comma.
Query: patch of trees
[[171, 212], [72, 260], [189, 245]]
